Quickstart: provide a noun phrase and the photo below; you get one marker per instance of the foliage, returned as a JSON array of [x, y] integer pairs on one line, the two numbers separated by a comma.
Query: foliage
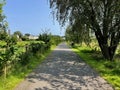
[[13, 54], [3, 23], [18, 34], [3, 34], [44, 37], [55, 39], [24, 61], [77, 35], [7, 54], [8, 49], [3, 27], [25, 38], [101, 16], [25, 55], [14, 39], [27, 34], [68, 34], [25, 58], [21, 71]]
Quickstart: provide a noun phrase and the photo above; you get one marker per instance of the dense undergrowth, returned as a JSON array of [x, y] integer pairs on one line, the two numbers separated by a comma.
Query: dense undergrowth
[[21, 72], [27, 55], [110, 71]]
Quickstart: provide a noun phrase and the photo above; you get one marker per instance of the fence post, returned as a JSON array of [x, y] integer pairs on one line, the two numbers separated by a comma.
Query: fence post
[[27, 47]]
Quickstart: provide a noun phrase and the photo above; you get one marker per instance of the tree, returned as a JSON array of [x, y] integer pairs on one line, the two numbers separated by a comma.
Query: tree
[[55, 39], [102, 16], [7, 54], [27, 34], [3, 24], [44, 37], [19, 34], [26, 37], [3, 34], [68, 34], [78, 33]]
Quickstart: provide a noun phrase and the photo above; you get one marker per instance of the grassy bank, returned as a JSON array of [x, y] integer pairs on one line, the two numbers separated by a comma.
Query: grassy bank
[[17, 76], [110, 71]]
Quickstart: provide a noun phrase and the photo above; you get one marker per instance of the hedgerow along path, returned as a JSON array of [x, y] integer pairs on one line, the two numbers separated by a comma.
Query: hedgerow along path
[[63, 70]]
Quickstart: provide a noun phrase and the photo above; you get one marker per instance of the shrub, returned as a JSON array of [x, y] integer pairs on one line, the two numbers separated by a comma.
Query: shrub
[[25, 58]]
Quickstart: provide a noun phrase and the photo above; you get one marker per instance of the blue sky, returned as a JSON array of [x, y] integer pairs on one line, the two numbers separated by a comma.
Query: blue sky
[[31, 16]]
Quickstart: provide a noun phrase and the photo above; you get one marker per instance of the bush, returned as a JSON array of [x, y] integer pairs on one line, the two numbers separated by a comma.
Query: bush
[[25, 58]]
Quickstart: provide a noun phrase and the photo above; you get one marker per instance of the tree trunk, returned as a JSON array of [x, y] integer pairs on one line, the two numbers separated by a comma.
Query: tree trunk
[[108, 52], [112, 52]]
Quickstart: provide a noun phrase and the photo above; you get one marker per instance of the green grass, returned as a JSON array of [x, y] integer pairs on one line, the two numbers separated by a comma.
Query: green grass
[[17, 76], [110, 71], [10, 82]]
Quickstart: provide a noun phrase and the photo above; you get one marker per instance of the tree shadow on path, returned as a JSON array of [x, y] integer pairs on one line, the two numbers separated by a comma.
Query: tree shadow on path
[[64, 70]]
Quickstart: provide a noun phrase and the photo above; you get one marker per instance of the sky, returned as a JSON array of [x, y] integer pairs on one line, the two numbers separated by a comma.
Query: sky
[[31, 16]]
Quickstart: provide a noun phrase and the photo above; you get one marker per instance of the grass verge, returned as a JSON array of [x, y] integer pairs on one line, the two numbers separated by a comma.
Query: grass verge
[[110, 71], [16, 77]]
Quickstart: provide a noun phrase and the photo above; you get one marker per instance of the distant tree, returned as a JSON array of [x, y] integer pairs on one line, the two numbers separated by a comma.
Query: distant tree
[[26, 37], [44, 37], [3, 24], [14, 39], [78, 33], [3, 34], [55, 39], [27, 34], [102, 16], [19, 34], [69, 34]]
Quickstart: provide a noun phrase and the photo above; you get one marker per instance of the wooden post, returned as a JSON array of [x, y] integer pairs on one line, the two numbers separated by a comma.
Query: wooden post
[[5, 71]]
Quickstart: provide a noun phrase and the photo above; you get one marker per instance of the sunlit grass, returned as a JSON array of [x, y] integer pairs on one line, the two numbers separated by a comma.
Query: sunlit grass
[[110, 71], [9, 83]]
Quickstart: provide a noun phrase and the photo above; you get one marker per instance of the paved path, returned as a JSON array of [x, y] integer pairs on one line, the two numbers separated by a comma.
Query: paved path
[[63, 70]]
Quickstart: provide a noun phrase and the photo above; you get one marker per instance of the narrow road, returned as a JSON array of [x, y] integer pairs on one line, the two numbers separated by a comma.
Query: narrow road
[[63, 70]]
